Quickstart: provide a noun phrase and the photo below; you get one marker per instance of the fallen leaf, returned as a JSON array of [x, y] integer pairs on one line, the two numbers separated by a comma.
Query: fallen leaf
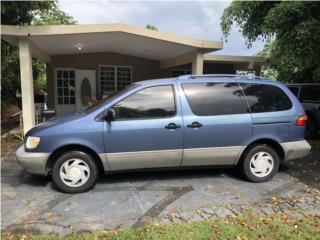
[[24, 237], [49, 215], [27, 202]]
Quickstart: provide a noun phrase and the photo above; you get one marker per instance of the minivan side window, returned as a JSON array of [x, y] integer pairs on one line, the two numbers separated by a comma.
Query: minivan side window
[[208, 99], [148, 103], [265, 98]]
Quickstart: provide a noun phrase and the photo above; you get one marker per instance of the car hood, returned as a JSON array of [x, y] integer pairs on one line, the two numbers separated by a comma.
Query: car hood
[[54, 122]]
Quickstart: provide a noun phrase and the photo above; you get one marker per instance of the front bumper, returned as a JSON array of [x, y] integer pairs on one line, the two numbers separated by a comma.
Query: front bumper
[[296, 149], [32, 162]]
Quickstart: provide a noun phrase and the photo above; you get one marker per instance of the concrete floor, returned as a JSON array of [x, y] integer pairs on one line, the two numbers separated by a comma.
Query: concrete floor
[[130, 199]]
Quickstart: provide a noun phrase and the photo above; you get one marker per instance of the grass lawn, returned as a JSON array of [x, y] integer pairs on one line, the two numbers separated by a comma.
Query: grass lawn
[[273, 227]]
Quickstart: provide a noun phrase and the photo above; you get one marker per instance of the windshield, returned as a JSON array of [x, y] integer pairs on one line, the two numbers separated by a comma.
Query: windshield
[[101, 102]]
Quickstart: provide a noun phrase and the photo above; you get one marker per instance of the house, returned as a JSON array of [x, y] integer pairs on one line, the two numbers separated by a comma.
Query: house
[[97, 60]]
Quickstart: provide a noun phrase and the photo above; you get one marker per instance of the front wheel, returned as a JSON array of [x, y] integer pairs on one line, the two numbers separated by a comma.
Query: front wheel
[[74, 172], [260, 163]]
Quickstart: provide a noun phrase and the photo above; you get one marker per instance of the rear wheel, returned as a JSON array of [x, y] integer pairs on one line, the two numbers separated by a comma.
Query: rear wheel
[[260, 163], [74, 172]]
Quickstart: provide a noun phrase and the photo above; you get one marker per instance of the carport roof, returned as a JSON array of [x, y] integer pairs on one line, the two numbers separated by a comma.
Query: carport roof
[[119, 38], [239, 59]]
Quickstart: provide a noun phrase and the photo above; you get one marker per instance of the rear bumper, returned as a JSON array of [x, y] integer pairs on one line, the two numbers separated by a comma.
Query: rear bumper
[[32, 162], [296, 149]]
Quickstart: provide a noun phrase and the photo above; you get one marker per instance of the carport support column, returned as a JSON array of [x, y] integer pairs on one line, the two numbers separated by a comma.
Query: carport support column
[[257, 70], [26, 79], [197, 64]]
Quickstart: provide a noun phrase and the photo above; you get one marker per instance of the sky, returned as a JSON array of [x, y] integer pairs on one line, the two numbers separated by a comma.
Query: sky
[[197, 19]]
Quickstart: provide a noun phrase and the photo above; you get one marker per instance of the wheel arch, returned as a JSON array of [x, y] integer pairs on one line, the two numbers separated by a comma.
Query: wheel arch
[[72, 147], [267, 141]]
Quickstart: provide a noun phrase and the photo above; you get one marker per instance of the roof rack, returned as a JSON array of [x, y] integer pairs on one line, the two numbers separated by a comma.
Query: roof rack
[[222, 75]]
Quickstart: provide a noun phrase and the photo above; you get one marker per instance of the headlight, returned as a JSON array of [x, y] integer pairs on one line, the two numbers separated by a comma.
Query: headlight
[[32, 142]]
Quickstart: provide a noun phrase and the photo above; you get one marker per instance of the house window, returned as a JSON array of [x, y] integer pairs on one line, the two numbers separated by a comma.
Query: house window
[[66, 86], [114, 78], [180, 72]]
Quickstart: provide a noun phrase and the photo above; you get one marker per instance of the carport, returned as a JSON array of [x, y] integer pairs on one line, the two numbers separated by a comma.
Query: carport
[[106, 58], [129, 44]]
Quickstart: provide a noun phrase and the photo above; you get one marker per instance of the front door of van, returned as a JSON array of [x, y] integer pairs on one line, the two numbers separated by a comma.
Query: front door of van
[[217, 123], [147, 131]]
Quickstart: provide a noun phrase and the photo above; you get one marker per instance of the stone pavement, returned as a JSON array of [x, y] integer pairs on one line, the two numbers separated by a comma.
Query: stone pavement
[[130, 199]]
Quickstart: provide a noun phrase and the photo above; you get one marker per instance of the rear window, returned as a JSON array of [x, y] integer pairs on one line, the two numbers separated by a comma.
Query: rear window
[[207, 99], [265, 98], [310, 93]]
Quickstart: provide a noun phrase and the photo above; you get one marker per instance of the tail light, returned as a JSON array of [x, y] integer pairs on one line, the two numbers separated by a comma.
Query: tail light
[[302, 120]]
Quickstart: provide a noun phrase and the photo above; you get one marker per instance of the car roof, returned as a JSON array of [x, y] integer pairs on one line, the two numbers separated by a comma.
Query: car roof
[[209, 77]]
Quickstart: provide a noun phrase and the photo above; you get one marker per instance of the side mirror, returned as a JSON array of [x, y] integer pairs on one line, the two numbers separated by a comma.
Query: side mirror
[[110, 116]]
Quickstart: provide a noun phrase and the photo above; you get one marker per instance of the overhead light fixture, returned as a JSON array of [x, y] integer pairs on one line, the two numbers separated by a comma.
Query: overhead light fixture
[[79, 46]]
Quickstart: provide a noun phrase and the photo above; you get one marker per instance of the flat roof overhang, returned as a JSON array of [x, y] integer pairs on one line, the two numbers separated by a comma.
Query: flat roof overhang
[[46, 41], [210, 58]]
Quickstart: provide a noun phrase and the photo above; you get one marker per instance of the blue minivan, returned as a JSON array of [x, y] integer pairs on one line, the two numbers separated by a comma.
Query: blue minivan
[[175, 123]]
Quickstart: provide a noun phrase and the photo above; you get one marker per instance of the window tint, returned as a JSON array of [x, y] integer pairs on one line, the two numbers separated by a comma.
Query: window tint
[[207, 99], [294, 90], [266, 98], [153, 102], [310, 93], [103, 101]]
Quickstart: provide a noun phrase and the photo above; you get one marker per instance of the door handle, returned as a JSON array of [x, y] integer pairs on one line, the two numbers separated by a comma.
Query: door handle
[[194, 125], [172, 126]]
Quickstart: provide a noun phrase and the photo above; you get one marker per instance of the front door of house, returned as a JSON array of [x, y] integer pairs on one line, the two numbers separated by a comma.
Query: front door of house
[[85, 88], [74, 88], [65, 91]]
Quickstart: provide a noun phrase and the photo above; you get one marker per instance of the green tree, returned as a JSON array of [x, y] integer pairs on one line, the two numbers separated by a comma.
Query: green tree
[[151, 27], [53, 16], [291, 28], [25, 13], [268, 71]]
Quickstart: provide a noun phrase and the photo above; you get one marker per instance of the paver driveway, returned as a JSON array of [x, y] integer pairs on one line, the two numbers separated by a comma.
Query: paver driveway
[[128, 199]]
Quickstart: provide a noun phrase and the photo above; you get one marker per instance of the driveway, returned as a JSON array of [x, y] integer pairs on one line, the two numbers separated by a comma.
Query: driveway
[[130, 199]]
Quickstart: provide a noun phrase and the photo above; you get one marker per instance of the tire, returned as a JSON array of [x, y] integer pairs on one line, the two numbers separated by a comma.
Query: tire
[[74, 172], [311, 130], [256, 163]]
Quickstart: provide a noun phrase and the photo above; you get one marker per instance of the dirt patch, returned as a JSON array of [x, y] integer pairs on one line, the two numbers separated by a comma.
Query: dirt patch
[[8, 144], [9, 122], [7, 112]]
